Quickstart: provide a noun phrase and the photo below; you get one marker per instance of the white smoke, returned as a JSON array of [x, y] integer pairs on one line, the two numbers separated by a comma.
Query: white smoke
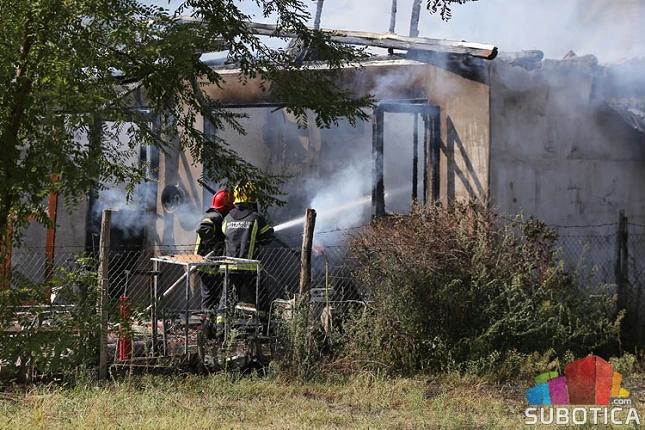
[[341, 199], [342, 202], [608, 29], [133, 215]]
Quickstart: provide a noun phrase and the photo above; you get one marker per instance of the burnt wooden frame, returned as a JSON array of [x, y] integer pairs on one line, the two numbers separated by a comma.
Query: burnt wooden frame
[[431, 150]]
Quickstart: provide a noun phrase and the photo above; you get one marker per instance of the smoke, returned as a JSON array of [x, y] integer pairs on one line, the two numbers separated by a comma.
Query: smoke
[[608, 29], [132, 215], [189, 217], [341, 193], [342, 201]]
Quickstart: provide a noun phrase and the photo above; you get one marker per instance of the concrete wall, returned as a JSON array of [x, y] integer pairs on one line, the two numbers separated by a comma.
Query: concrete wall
[[465, 132], [177, 229], [557, 152], [29, 258]]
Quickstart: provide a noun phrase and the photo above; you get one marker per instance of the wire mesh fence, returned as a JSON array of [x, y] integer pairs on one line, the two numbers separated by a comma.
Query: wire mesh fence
[[591, 257], [636, 274], [149, 304], [158, 326]]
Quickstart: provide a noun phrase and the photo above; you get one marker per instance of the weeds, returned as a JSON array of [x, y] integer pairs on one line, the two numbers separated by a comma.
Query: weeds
[[457, 288], [42, 340]]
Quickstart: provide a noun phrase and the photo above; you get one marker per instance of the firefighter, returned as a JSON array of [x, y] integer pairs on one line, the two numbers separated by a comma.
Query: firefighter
[[210, 239], [245, 229]]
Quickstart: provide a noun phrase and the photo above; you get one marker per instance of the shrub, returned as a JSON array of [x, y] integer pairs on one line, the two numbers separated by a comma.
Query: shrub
[[44, 340], [456, 287]]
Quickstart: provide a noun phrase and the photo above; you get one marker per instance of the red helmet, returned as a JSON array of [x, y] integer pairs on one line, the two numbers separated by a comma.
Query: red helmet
[[222, 201]]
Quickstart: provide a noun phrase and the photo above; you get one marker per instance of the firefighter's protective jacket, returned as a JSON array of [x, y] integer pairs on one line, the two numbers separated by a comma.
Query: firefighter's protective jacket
[[210, 236], [244, 227]]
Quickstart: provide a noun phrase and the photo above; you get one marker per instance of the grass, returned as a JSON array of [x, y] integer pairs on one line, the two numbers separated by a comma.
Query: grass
[[220, 401]]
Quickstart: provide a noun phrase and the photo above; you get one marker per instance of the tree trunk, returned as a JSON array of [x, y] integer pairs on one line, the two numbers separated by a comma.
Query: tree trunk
[[6, 248], [19, 91]]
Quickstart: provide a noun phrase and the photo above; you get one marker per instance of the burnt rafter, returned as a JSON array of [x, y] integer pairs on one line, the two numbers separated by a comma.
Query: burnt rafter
[[381, 40]]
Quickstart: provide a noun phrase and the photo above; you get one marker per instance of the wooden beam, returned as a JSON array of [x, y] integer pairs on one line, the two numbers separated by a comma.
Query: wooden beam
[[103, 281], [393, 16], [50, 250], [414, 18], [394, 41], [319, 8], [380, 40]]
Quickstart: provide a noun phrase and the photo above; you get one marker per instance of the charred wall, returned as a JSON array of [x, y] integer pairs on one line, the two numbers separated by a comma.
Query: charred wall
[[557, 151], [313, 157]]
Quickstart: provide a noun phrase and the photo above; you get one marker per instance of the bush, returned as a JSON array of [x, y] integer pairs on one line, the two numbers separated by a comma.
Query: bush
[[43, 340], [458, 288]]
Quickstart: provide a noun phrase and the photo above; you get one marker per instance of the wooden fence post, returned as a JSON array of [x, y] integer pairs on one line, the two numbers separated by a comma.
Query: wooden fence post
[[301, 335], [103, 278], [305, 255]]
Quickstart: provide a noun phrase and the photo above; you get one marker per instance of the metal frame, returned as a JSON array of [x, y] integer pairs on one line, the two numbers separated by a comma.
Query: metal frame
[[189, 266]]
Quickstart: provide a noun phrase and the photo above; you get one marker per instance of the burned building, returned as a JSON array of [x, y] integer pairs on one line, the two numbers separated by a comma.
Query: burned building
[[561, 140]]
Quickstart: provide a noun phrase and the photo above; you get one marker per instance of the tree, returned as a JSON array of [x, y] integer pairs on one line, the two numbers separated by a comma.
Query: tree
[[68, 67]]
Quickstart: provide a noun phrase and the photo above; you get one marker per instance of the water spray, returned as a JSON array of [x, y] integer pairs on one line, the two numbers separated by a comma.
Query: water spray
[[324, 213], [329, 212]]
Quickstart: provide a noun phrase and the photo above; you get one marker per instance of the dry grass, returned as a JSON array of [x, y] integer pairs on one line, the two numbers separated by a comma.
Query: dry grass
[[220, 401], [224, 402]]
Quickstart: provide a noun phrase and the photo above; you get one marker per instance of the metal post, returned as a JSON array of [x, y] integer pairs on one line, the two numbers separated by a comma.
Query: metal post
[[50, 250], [415, 158], [622, 279], [257, 297], [226, 313], [188, 268], [153, 309], [436, 154], [426, 144], [378, 190], [164, 335]]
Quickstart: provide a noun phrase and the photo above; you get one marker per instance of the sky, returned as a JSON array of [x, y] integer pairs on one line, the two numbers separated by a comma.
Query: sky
[[609, 29]]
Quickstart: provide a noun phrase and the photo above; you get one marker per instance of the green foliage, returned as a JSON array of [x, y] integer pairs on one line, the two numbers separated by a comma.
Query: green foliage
[[297, 347], [452, 286], [627, 364], [50, 340], [76, 76]]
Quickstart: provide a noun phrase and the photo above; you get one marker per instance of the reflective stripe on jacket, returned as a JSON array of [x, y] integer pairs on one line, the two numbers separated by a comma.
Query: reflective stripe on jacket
[[244, 228]]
